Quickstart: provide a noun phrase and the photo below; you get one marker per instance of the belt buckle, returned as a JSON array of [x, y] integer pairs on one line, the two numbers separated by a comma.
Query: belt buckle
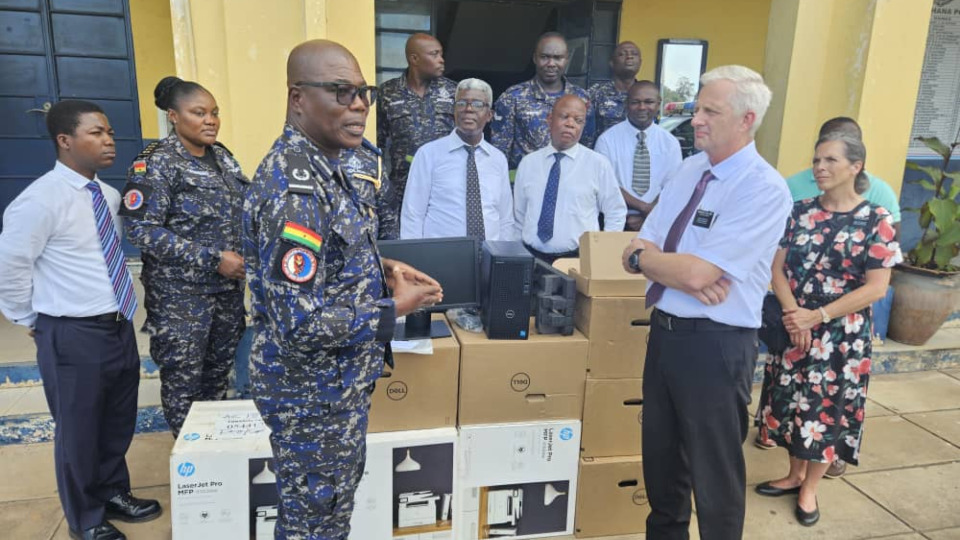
[[668, 319], [119, 317]]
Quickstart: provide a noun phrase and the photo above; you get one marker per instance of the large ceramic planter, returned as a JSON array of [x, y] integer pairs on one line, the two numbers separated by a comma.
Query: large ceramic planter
[[922, 301]]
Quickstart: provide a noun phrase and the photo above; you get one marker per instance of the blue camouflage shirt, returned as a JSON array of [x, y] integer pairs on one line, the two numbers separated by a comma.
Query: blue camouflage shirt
[[182, 213], [365, 165], [519, 124], [609, 105], [316, 283]]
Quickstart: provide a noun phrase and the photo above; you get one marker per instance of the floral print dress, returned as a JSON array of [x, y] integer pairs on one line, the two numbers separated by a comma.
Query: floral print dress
[[813, 403]]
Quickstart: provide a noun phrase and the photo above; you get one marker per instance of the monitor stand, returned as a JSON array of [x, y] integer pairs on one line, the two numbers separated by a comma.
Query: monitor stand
[[419, 325]]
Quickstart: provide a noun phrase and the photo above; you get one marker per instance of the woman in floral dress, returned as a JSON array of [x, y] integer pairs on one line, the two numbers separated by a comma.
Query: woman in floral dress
[[837, 250]]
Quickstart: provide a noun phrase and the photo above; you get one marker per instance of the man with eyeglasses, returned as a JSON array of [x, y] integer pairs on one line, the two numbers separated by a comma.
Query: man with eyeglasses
[[641, 152], [322, 317], [562, 188], [520, 115], [609, 97], [414, 108], [459, 185]]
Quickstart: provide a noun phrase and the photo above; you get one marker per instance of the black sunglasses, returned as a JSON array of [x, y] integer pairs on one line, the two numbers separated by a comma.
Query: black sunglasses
[[346, 92]]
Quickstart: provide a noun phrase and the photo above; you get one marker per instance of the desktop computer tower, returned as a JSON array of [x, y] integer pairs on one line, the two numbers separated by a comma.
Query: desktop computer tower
[[506, 274]]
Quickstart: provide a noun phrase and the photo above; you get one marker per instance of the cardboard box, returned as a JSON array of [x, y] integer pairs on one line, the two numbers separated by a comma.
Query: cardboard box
[[540, 378], [612, 410], [221, 479], [618, 330], [407, 486], [611, 497], [420, 392], [517, 480], [600, 270]]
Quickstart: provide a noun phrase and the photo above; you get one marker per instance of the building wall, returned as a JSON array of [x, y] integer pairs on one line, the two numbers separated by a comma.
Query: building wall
[[736, 30], [153, 54]]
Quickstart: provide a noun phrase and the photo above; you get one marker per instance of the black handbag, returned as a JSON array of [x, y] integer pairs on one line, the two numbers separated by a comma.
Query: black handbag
[[772, 332]]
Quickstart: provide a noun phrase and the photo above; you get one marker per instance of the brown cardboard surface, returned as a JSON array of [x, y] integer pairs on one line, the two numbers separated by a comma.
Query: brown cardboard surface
[[600, 271], [540, 378], [618, 329], [611, 417], [420, 392], [611, 497]]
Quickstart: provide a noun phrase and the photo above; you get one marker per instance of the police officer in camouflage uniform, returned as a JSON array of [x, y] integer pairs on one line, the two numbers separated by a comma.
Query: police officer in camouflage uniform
[[519, 124], [610, 97], [415, 108], [321, 314], [182, 205], [365, 164]]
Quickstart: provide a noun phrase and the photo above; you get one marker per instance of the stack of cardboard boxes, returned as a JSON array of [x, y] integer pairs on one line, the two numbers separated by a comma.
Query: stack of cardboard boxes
[[611, 314]]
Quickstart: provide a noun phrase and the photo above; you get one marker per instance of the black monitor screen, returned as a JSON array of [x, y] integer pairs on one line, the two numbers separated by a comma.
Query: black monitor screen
[[454, 262]]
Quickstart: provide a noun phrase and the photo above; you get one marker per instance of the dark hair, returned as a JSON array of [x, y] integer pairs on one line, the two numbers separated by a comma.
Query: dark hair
[[644, 84], [843, 124], [549, 35], [170, 90], [64, 117], [854, 150]]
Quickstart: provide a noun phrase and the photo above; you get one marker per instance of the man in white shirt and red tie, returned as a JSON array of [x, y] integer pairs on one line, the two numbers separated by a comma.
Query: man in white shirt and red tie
[[706, 250], [641, 152], [459, 185], [561, 189], [66, 279]]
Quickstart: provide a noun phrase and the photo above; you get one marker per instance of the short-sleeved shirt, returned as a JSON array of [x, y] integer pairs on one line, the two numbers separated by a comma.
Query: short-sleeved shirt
[[619, 144], [519, 124], [741, 219], [609, 105], [804, 186]]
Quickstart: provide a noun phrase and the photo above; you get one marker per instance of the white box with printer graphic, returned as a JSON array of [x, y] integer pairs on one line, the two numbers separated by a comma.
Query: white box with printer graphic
[[517, 480]]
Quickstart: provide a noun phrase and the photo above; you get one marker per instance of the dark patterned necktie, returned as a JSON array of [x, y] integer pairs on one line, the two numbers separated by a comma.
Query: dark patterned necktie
[[549, 207], [474, 201], [676, 231], [641, 165]]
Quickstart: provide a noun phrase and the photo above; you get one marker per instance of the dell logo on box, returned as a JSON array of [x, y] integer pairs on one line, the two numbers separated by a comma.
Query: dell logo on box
[[640, 497], [186, 469], [520, 382], [397, 390]]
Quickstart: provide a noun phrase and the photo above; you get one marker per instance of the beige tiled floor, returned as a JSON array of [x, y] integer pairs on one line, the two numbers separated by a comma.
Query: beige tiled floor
[[908, 487]]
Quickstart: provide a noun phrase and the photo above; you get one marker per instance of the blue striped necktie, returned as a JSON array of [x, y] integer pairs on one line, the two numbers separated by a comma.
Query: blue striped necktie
[[548, 208], [113, 255]]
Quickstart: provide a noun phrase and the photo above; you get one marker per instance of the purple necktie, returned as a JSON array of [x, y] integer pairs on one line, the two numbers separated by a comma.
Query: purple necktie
[[676, 231]]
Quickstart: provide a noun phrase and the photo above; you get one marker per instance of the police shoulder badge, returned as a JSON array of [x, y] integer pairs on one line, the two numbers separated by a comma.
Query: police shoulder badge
[[134, 200], [295, 264]]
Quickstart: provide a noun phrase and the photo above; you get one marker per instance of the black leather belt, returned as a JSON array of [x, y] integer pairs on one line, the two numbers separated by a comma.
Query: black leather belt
[[112, 317], [672, 323]]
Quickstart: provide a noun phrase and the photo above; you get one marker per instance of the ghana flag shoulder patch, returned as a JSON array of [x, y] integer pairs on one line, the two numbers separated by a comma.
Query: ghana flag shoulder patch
[[301, 235]]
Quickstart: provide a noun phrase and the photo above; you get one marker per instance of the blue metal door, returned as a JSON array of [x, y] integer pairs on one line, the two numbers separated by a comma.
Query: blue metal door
[[60, 49]]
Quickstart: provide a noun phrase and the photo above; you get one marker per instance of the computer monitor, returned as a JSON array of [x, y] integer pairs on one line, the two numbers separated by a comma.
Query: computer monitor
[[454, 262]]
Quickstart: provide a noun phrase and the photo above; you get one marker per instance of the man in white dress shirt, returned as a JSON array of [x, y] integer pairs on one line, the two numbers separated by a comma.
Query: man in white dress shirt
[[459, 185], [706, 250], [641, 152], [562, 189], [64, 277]]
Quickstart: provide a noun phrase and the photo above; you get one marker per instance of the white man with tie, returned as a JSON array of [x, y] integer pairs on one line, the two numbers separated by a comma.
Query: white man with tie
[[459, 185], [706, 250], [65, 278], [561, 189], [641, 152]]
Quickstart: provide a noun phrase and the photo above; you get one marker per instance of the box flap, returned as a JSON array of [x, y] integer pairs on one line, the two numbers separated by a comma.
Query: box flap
[[601, 254]]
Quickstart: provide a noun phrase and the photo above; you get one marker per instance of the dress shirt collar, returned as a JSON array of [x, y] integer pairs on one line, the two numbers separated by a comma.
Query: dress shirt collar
[[75, 179], [735, 163], [569, 152], [454, 143]]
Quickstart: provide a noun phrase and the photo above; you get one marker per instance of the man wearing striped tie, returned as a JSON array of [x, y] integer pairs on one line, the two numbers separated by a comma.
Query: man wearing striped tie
[[641, 152], [66, 279]]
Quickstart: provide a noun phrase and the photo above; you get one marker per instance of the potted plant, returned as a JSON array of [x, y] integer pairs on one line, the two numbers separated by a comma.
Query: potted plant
[[927, 284]]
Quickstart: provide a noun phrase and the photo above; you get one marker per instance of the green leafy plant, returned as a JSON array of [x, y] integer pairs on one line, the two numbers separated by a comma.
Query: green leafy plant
[[939, 216]]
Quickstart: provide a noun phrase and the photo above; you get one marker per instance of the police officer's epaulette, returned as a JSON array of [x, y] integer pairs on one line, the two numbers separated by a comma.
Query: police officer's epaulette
[[225, 149], [372, 147], [148, 151]]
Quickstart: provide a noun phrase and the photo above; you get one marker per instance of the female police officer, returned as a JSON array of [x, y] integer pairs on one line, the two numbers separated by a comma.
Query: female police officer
[[182, 204]]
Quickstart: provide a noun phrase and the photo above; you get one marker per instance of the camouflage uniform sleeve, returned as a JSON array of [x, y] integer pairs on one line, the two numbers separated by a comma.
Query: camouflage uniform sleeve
[[383, 126], [313, 314], [146, 227], [388, 208], [589, 136], [502, 129]]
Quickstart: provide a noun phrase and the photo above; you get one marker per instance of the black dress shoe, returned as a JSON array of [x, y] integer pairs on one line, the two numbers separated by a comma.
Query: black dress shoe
[[808, 519], [768, 490], [126, 507], [104, 531]]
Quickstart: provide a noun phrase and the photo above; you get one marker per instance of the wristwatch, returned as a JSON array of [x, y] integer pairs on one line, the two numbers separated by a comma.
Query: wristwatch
[[634, 260], [823, 315]]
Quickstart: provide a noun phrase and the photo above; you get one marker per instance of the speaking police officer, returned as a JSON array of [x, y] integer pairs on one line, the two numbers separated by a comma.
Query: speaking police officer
[[321, 314], [182, 206]]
